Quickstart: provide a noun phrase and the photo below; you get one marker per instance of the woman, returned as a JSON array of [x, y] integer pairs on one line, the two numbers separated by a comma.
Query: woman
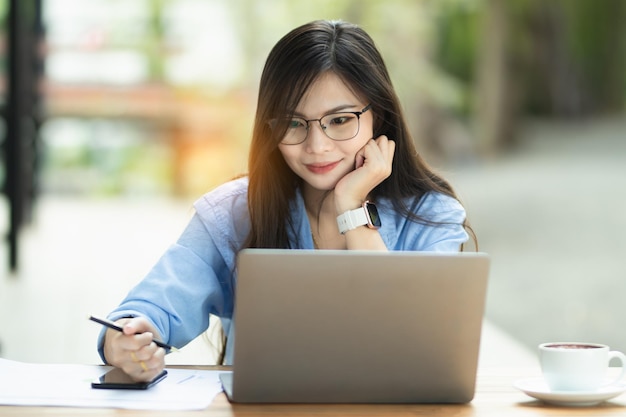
[[332, 166]]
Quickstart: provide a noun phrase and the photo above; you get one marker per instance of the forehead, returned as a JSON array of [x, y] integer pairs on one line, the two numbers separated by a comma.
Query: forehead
[[326, 92]]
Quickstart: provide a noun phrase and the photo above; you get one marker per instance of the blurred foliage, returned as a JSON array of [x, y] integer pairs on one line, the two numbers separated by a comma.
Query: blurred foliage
[[597, 41], [457, 41], [562, 58], [101, 157], [559, 51]]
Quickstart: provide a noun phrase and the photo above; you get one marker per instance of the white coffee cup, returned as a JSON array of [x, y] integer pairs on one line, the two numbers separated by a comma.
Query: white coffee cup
[[576, 366]]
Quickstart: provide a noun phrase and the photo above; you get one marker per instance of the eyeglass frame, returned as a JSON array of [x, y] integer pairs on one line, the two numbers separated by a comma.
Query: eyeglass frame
[[356, 113]]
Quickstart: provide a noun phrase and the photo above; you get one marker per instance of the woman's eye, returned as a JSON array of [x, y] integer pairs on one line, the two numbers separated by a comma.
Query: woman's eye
[[296, 123], [340, 119]]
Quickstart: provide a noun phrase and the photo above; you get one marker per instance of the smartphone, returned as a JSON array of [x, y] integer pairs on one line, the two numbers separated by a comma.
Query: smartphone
[[118, 379]]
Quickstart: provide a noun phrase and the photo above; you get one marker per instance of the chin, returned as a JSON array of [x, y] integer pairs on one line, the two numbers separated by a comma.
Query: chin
[[321, 188], [323, 185]]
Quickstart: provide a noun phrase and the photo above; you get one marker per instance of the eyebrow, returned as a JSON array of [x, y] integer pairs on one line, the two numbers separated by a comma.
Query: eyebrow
[[337, 109]]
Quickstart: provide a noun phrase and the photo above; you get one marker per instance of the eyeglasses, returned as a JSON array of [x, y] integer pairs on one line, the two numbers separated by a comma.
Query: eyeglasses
[[337, 126]]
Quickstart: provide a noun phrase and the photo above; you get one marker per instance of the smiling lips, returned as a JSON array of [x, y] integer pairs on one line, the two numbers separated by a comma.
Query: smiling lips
[[322, 168]]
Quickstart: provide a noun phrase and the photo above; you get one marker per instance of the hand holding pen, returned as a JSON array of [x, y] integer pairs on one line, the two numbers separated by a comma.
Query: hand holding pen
[[132, 347], [112, 325]]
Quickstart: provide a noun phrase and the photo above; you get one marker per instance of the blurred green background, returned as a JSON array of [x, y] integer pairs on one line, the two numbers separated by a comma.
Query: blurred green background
[[156, 96]]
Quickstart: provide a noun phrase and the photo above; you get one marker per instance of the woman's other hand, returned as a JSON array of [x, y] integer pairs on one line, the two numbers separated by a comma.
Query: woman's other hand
[[372, 166]]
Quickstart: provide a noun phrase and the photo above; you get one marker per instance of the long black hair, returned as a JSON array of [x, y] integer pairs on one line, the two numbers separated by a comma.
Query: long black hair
[[295, 62]]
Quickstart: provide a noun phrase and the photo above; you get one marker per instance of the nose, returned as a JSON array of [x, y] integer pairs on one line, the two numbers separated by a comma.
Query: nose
[[316, 140]]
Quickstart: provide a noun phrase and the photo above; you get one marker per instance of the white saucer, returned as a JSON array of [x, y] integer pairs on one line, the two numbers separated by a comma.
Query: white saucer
[[537, 388]]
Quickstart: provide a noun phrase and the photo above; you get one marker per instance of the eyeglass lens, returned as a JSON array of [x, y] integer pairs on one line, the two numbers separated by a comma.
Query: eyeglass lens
[[337, 126]]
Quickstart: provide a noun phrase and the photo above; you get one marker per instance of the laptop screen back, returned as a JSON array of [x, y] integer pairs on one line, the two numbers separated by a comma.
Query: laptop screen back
[[355, 326]]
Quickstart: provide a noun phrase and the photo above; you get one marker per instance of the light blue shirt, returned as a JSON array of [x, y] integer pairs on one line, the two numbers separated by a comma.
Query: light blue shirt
[[195, 276]]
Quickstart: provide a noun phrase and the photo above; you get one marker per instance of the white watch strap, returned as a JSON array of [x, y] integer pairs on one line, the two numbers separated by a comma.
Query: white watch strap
[[351, 219]]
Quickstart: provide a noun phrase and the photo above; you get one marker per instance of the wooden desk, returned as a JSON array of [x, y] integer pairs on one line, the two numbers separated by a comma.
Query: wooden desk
[[495, 396]]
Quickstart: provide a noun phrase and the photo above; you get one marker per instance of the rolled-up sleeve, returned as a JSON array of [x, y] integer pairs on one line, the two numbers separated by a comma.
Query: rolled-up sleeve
[[195, 277], [182, 289]]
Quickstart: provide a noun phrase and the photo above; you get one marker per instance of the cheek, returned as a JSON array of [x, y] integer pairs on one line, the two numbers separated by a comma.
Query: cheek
[[361, 140], [355, 147], [367, 129], [288, 154]]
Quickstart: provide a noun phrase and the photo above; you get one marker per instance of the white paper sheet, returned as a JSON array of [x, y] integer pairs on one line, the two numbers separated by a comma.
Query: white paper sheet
[[70, 386]]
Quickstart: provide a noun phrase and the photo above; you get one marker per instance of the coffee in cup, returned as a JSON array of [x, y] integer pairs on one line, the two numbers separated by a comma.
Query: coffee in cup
[[575, 366]]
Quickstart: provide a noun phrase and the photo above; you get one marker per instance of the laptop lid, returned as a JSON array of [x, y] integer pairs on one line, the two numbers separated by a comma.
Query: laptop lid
[[357, 326]]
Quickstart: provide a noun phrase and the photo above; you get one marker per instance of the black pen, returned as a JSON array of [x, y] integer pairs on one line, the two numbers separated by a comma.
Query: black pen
[[115, 326]]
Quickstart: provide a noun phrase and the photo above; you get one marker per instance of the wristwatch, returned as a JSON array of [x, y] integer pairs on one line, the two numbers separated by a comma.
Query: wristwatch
[[366, 215]]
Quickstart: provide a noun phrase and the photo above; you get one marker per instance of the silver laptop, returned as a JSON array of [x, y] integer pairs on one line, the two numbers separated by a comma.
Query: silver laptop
[[356, 326]]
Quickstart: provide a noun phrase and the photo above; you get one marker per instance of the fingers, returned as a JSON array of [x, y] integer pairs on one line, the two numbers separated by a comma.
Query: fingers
[[135, 359], [382, 152], [133, 350], [377, 155], [143, 365], [373, 164], [137, 325]]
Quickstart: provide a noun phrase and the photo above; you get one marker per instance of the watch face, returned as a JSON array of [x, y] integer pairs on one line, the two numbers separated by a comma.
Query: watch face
[[372, 213]]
